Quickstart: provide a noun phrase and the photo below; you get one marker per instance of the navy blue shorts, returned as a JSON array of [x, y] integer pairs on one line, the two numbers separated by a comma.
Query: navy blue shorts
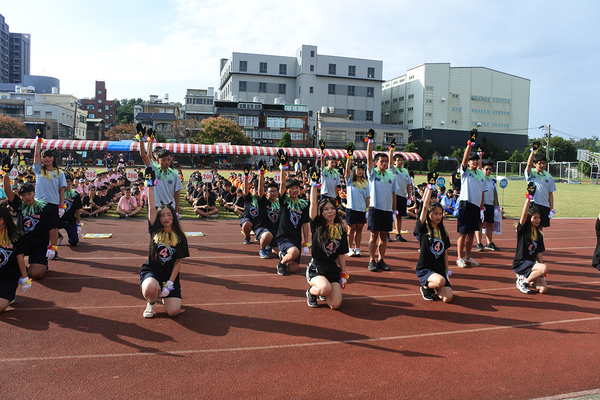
[[356, 217], [401, 206], [244, 220], [71, 232], [379, 221], [150, 274], [524, 268], [330, 272], [285, 244], [37, 255], [8, 288], [488, 213], [424, 274], [468, 218], [544, 212], [258, 232]]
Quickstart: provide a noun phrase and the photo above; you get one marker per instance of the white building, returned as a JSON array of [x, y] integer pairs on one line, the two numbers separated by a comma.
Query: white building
[[442, 104], [198, 104], [342, 84]]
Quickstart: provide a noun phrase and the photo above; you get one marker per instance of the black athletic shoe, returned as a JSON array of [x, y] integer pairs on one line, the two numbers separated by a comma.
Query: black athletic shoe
[[247, 240], [389, 239], [428, 294], [55, 255], [399, 238], [311, 299], [281, 269], [382, 265], [372, 266]]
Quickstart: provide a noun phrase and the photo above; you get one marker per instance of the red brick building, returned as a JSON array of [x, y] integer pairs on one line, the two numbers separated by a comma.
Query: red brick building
[[99, 107]]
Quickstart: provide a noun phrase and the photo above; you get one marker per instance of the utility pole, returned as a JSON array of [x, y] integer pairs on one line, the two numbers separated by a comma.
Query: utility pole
[[547, 127]]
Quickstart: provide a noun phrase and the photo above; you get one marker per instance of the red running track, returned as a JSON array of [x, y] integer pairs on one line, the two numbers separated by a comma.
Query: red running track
[[245, 332]]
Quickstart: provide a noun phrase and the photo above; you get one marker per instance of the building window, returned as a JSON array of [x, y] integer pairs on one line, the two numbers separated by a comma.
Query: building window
[[410, 109], [370, 72], [359, 137], [410, 121], [480, 98], [454, 121], [428, 114], [395, 100], [428, 101], [89, 107], [294, 123], [370, 92], [312, 53], [429, 87], [332, 68], [262, 87], [106, 116], [351, 70], [351, 114], [411, 96], [99, 91], [400, 122], [456, 108], [92, 115], [282, 87], [106, 107], [369, 115], [331, 89], [310, 89], [310, 113], [312, 68], [351, 90], [263, 68], [99, 101], [275, 122], [400, 110], [455, 95], [242, 86], [282, 69], [48, 114], [401, 98], [243, 66]]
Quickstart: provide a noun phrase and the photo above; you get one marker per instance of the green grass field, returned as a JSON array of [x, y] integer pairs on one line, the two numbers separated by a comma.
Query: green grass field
[[570, 200]]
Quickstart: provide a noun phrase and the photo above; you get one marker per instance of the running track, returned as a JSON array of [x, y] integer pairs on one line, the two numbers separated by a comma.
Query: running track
[[245, 332]]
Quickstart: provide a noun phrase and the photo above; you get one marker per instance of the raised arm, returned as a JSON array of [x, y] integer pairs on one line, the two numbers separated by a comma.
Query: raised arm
[[425, 205], [369, 156], [261, 185], [37, 151], [283, 173], [246, 185], [314, 204], [524, 213], [7, 189], [529, 163], [465, 160], [348, 168]]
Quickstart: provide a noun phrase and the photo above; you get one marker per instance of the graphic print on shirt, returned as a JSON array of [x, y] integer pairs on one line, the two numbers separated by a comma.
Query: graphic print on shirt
[[29, 223], [4, 256], [532, 247], [165, 253], [330, 246], [295, 217], [437, 247], [68, 203], [273, 216], [253, 211]]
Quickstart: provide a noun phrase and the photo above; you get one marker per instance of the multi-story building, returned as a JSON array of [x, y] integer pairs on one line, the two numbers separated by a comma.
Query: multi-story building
[[265, 123], [344, 85], [99, 107], [159, 115], [15, 53], [442, 104], [198, 104], [57, 113]]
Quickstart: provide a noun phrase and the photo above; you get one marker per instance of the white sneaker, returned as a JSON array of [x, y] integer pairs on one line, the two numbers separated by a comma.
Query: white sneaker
[[472, 263], [357, 252], [351, 252], [149, 311], [461, 263]]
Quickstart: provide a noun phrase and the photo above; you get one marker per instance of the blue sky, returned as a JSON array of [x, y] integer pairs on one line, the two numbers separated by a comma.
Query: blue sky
[[157, 47]]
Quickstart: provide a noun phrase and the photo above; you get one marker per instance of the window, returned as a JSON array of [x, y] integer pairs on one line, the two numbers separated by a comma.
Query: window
[[282, 88], [395, 100], [294, 123], [310, 89], [428, 101], [480, 98], [428, 114], [297, 135], [401, 98], [359, 137], [369, 115], [89, 107], [243, 86], [331, 89], [243, 66], [91, 115], [351, 70], [36, 113], [456, 108], [312, 68], [454, 121], [312, 53], [262, 87], [106, 116], [351, 90], [351, 114], [282, 69], [99, 101], [429, 87], [411, 96], [400, 122], [410, 109], [410, 121], [370, 72], [248, 120], [48, 114], [455, 95], [400, 110], [370, 92], [263, 68], [332, 68], [275, 122], [106, 107], [99, 91]]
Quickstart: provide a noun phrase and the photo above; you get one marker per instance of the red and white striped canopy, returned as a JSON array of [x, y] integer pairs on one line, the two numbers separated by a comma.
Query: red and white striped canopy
[[182, 148]]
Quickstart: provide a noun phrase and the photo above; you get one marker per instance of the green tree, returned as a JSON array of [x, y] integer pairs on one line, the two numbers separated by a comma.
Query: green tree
[[516, 156], [349, 145], [219, 130], [160, 138], [286, 140], [459, 153], [564, 150], [410, 147], [12, 128], [433, 164], [124, 110]]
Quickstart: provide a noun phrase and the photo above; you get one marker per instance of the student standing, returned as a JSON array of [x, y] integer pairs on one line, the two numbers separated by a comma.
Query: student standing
[[544, 186], [357, 196], [491, 209], [404, 183]]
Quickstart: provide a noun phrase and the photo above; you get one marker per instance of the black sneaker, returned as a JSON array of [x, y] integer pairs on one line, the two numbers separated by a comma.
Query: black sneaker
[[281, 269], [247, 240], [382, 265], [492, 246], [372, 266], [428, 294], [323, 298], [479, 247], [55, 255], [389, 239], [399, 238], [311, 299]]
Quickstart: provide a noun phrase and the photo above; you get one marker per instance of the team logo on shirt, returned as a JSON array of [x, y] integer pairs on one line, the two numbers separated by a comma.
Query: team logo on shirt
[[295, 217], [273, 216], [437, 247], [253, 211], [165, 254], [4, 256], [532, 247], [29, 223], [330, 246], [68, 203]]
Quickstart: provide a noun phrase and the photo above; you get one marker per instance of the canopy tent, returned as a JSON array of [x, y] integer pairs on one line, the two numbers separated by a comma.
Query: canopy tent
[[183, 148]]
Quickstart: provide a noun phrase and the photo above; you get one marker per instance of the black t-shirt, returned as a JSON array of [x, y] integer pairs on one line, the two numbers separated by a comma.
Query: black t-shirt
[[100, 201], [240, 201], [292, 219], [35, 226], [86, 201], [250, 210], [267, 216], [527, 249], [456, 180], [596, 257], [326, 253], [9, 266], [432, 250], [73, 204], [230, 197], [167, 256], [202, 201]]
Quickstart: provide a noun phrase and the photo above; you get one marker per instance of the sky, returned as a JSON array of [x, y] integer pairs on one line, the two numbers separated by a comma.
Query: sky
[[156, 47]]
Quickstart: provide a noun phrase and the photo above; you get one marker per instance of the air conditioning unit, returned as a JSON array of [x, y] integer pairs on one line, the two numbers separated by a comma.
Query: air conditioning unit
[[443, 99], [442, 122]]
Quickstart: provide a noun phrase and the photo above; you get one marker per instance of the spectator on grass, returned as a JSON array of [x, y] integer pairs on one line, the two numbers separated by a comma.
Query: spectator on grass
[[128, 205]]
